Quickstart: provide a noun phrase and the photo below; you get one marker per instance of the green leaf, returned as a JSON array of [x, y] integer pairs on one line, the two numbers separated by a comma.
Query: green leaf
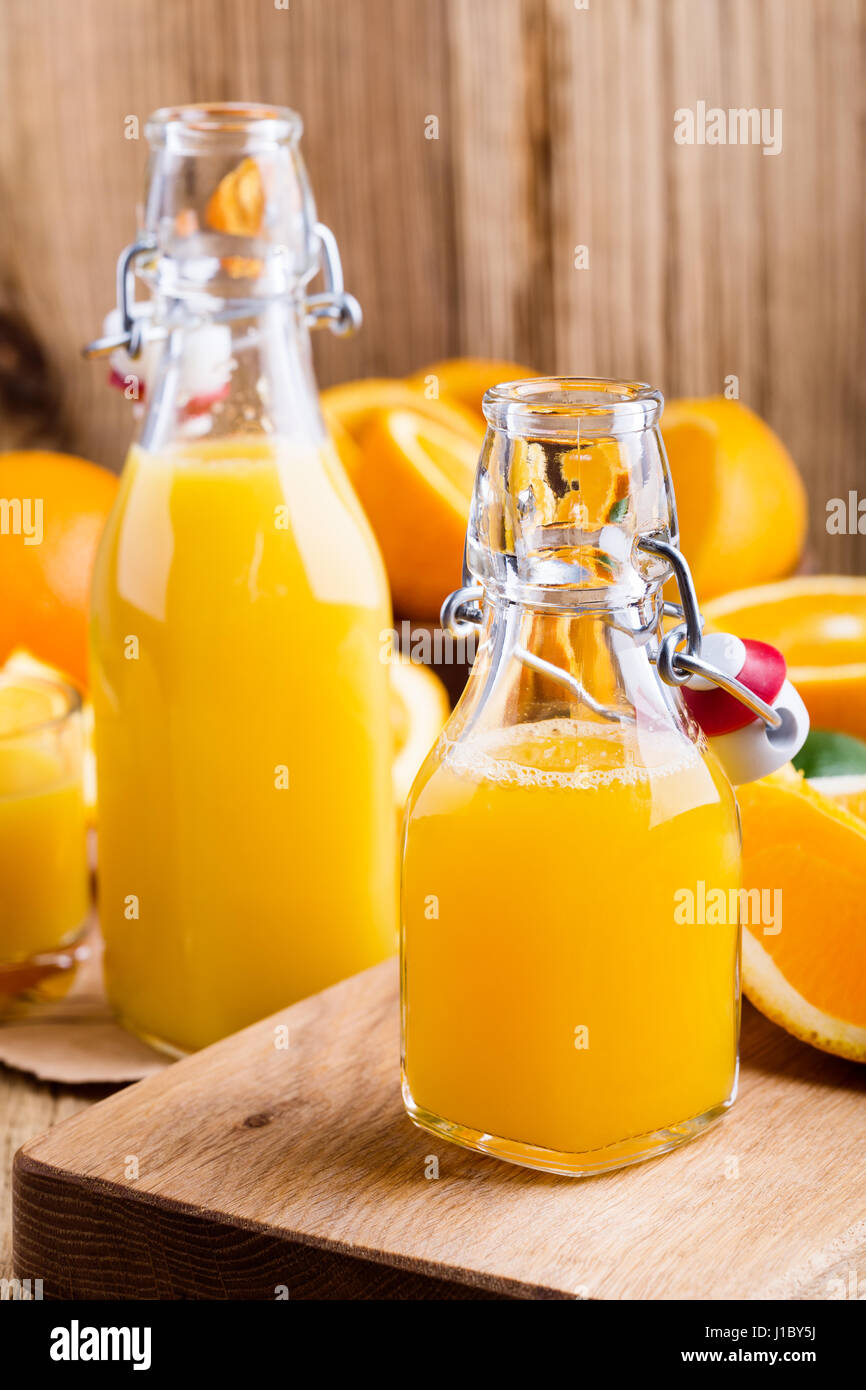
[[618, 510], [827, 754]]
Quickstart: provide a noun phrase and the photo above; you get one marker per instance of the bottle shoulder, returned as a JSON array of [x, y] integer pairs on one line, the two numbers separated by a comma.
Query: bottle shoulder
[[278, 519], [573, 765]]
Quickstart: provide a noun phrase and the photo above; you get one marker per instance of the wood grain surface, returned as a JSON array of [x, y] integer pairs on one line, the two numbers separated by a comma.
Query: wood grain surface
[[555, 130], [26, 1108], [264, 1171]]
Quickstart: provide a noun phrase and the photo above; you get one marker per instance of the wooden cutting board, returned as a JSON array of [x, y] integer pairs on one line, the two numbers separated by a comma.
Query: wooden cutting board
[[255, 1171]]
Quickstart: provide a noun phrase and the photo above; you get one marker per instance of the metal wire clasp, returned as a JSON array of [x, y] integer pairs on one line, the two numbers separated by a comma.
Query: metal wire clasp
[[334, 308], [461, 612], [132, 313], [677, 667]]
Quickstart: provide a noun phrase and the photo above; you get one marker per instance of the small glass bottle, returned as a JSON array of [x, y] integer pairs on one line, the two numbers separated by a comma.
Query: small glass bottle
[[246, 853], [559, 1009]]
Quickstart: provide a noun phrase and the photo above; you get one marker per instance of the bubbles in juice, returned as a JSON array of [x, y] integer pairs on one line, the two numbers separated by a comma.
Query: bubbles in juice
[[569, 753]]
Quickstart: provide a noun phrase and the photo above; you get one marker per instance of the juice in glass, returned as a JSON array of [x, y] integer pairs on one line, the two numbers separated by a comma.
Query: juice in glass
[[44, 887], [552, 998], [242, 740]]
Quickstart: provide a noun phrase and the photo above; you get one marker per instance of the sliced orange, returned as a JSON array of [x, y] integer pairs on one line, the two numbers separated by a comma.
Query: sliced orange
[[818, 622], [465, 379], [740, 500], [237, 205], [354, 404], [419, 708], [849, 792], [809, 975], [415, 485], [596, 476]]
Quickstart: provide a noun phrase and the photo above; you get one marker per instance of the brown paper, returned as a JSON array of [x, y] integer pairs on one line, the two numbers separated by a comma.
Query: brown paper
[[75, 1039]]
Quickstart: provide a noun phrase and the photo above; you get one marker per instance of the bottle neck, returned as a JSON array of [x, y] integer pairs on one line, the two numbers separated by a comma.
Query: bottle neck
[[572, 474], [219, 371], [574, 639], [583, 664]]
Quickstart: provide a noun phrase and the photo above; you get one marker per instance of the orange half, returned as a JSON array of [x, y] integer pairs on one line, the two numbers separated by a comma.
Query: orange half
[[464, 380], [818, 622], [419, 708], [809, 976], [415, 484], [354, 404], [849, 792]]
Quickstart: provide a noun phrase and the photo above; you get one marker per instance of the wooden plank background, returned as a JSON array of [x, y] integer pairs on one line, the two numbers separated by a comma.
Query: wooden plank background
[[555, 130]]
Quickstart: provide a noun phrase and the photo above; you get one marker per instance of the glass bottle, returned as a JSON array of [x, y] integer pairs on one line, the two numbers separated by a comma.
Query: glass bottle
[[45, 900], [562, 1008], [246, 853]]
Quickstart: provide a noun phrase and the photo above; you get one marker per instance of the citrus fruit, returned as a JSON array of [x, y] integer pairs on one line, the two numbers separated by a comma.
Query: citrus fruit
[[849, 792], [45, 568], [355, 404], [740, 500], [818, 622], [594, 477], [415, 484], [465, 379], [237, 206], [419, 708], [806, 972]]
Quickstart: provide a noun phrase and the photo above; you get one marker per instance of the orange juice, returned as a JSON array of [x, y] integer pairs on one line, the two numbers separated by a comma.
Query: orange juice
[[243, 746], [555, 1012], [44, 887], [43, 873]]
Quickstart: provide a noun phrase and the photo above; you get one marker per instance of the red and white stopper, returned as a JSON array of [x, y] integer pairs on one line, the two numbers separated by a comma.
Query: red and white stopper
[[746, 746], [205, 368]]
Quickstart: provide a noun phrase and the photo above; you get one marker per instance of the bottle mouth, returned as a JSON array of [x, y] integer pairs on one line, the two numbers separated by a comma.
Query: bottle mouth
[[228, 207], [572, 408], [252, 125]]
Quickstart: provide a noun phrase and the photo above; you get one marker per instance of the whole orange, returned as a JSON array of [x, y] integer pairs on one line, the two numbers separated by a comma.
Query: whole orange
[[52, 511]]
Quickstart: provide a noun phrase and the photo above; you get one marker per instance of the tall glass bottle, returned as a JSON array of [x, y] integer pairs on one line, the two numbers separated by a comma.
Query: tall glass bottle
[[242, 737], [561, 1007]]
